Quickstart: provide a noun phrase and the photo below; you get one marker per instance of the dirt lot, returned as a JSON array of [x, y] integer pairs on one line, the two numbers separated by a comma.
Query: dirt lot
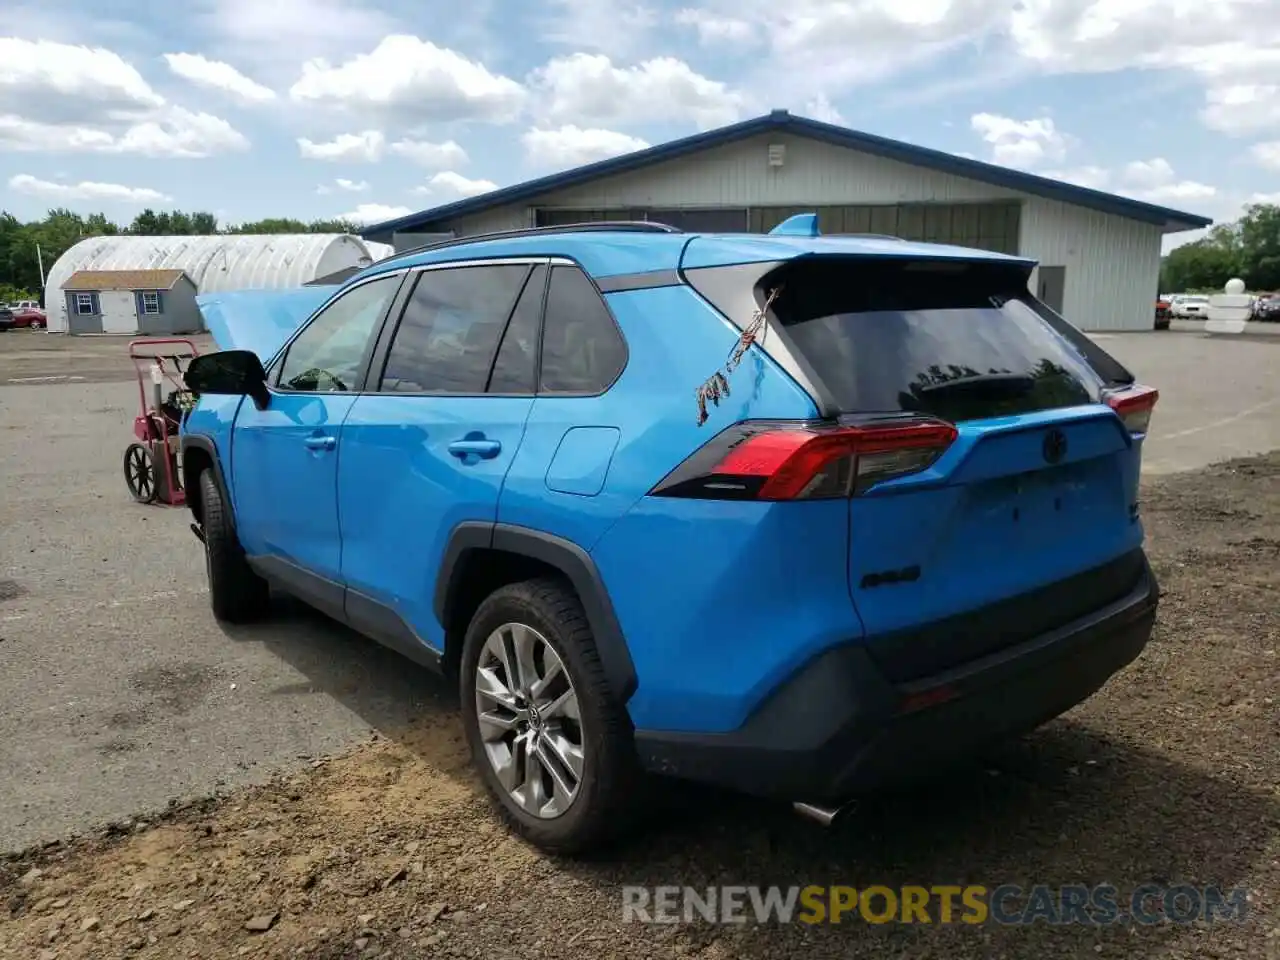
[[118, 692], [1169, 775]]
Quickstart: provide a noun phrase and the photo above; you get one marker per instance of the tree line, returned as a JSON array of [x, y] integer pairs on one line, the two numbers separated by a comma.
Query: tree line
[[60, 229], [1248, 249]]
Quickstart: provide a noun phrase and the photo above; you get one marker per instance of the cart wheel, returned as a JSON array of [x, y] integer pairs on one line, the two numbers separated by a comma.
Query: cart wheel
[[139, 473]]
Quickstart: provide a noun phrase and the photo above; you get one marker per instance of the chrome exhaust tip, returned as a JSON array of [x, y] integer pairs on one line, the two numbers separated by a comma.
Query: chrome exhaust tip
[[823, 815]]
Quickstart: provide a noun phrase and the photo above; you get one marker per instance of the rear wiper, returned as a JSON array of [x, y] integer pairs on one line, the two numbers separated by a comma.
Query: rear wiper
[[1004, 384]]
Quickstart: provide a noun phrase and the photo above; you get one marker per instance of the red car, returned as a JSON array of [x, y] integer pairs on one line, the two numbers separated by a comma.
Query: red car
[[28, 313]]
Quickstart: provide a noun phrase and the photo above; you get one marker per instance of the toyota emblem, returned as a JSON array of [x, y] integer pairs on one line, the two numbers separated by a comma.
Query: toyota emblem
[[1055, 446]]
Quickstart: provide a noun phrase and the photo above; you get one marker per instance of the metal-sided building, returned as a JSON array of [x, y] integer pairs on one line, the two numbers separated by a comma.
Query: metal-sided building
[[1099, 253], [211, 263]]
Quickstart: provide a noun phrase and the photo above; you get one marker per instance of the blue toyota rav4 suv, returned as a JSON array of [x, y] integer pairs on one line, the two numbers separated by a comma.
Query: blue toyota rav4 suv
[[795, 515]]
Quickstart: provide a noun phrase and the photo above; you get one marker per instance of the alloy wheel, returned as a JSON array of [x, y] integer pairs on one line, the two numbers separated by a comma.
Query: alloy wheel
[[527, 711]]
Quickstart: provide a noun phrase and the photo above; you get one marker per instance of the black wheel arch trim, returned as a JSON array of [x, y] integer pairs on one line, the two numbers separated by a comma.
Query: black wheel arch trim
[[567, 557], [205, 444]]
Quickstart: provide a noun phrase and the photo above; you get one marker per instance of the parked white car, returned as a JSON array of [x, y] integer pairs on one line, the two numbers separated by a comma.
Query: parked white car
[[1190, 308]]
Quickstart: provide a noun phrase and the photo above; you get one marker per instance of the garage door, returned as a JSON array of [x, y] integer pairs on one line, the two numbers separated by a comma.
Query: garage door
[[720, 219], [987, 226]]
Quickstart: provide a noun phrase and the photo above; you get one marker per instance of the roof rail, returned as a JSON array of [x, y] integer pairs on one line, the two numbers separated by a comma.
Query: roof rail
[[592, 226]]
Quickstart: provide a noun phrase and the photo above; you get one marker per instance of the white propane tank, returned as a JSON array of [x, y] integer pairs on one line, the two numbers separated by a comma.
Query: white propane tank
[[1229, 310]]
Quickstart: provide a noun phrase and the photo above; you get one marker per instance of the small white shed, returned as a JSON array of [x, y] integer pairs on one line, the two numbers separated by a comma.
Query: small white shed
[[150, 302]]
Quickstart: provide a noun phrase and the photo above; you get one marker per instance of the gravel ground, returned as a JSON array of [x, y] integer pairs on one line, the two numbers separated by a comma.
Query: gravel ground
[[1170, 775]]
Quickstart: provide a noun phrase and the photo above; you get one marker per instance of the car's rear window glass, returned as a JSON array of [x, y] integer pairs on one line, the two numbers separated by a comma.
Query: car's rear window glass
[[962, 341]]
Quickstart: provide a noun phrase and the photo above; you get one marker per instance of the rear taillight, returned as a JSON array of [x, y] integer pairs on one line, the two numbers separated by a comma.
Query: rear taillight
[[760, 460], [1133, 405]]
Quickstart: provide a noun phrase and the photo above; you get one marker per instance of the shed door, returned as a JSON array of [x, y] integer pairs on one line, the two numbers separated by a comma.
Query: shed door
[[119, 313]]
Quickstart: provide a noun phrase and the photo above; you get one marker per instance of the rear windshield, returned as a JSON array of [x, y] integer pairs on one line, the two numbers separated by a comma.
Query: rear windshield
[[961, 341]]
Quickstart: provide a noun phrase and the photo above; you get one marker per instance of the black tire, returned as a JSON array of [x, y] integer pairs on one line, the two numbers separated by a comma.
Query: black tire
[[608, 794], [236, 593], [140, 473]]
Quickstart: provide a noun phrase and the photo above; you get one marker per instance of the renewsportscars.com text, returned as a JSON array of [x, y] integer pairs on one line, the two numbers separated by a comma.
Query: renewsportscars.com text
[[1103, 904]]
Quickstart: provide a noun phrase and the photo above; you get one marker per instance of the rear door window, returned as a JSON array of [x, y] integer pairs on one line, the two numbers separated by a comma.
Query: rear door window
[[450, 329], [961, 341], [515, 371]]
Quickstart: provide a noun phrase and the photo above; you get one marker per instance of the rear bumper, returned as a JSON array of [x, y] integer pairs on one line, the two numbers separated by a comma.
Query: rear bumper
[[838, 727]]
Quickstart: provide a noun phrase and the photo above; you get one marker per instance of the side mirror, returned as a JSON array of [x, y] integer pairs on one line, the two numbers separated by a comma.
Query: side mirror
[[229, 372]]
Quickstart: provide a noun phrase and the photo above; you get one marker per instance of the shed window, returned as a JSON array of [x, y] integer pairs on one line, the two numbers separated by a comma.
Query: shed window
[[150, 302], [84, 304]]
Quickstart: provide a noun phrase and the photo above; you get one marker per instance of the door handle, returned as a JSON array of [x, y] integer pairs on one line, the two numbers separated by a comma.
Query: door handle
[[484, 449], [321, 443]]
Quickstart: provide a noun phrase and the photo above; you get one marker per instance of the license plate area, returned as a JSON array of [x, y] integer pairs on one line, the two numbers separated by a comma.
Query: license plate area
[[1048, 505]]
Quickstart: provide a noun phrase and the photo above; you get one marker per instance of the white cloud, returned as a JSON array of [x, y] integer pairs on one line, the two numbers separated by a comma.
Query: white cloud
[[454, 186], [1155, 182], [1022, 144], [586, 87], [276, 35], [61, 98], [413, 80], [364, 147], [436, 156], [61, 83], [171, 132], [374, 213], [1219, 43], [1266, 154], [216, 75], [85, 190], [1094, 178], [619, 28], [342, 184], [1151, 181], [177, 132], [571, 146], [1149, 173], [820, 108], [1242, 108], [715, 29], [833, 46]]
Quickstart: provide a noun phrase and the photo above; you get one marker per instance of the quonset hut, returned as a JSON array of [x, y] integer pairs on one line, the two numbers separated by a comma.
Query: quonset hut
[[212, 263]]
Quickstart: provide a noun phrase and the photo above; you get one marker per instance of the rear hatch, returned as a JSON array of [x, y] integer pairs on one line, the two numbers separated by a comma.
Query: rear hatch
[[1004, 502]]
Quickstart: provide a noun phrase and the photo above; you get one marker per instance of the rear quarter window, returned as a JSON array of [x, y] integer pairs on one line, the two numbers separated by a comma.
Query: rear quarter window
[[582, 350], [962, 341]]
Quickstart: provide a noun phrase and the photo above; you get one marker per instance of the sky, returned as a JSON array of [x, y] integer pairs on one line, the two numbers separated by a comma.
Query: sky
[[369, 109]]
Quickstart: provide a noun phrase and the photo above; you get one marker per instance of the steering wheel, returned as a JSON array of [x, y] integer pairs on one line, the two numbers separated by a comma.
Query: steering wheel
[[319, 376]]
